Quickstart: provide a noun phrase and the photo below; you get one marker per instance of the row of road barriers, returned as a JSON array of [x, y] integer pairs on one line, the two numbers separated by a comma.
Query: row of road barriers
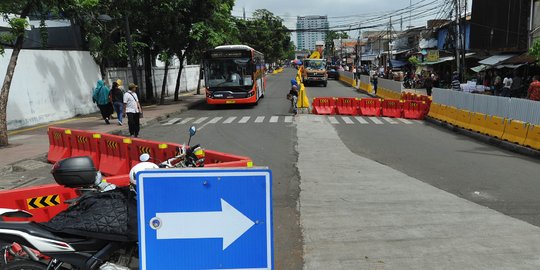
[[510, 119], [387, 89], [411, 109], [113, 156]]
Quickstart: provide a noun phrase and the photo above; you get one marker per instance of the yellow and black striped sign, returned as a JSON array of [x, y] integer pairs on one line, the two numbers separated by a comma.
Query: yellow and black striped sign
[[82, 139], [144, 149], [41, 202], [112, 145], [57, 135]]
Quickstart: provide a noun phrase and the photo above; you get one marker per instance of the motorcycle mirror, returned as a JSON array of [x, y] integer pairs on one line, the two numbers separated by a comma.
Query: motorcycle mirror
[[144, 157], [192, 131]]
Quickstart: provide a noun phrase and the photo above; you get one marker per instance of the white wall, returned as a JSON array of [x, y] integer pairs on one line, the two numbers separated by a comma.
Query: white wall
[[49, 85]]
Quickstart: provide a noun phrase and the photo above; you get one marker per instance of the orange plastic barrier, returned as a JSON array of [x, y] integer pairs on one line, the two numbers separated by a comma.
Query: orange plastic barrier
[[44, 202], [59, 147], [413, 109], [85, 143], [369, 106], [324, 105], [515, 131], [533, 137], [113, 154], [391, 108], [347, 106]]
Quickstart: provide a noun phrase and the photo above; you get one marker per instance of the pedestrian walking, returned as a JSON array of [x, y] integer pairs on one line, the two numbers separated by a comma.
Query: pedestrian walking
[[456, 84], [498, 85], [375, 82], [534, 89], [117, 98], [101, 97], [428, 83], [132, 108], [507, 86]]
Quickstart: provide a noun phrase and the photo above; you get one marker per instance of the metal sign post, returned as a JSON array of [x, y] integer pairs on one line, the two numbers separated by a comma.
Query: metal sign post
[[205, 219]]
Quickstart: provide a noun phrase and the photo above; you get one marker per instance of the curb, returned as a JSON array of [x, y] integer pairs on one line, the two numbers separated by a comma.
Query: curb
[[509, 146]]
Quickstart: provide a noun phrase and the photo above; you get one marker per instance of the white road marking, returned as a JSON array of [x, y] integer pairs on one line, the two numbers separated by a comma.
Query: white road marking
[[172, 121], [244, 119], [390, 120], [347, 120], [376, 120], [229, 120], [186, 120], [259, 119], [405, 121], [215, 120], [274, 119], [288, 119], [200, 120], [333, 120], [361, 120]]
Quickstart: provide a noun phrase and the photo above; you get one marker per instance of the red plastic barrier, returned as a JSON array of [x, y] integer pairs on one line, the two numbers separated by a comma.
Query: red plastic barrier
[[113, 154], [140, 146], [324, 105], [347, 106], [85, 143], [58, 144], [219, 159], [391, 108], [415, 109], [44, 202], [369, 106]]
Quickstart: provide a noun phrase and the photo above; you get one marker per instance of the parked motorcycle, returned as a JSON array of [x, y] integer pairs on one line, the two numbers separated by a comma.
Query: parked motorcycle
[[98, 231]]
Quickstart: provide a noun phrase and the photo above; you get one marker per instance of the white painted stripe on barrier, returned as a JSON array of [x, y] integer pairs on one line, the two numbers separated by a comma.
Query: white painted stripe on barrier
[[361, 120], [185, 121], [259, 119], [347, 120], [274, 119], [229, 120], [376, 120], [288, 119], [389, 120], [200, 120], [333, 120], [244, 119], [172, 121], [215, 120]]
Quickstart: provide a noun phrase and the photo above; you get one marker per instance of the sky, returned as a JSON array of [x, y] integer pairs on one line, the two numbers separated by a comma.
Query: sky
[[351, 13]]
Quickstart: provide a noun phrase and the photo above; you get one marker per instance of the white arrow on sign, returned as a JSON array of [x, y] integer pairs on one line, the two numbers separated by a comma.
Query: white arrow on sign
[[228, 224]]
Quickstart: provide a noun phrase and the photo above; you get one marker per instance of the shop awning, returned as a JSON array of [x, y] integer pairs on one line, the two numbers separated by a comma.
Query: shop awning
[[441, 60], [479, 68], [496, 59], [397, 63]]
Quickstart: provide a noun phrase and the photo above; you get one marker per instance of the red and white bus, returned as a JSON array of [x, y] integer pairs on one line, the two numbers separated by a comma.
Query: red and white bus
[[234, 74]]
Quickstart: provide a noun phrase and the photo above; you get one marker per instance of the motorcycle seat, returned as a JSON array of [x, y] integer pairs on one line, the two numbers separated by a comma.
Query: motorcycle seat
[[31, 228]]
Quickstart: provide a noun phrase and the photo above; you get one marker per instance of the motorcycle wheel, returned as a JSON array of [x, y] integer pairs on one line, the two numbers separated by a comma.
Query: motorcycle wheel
[[25, 265]]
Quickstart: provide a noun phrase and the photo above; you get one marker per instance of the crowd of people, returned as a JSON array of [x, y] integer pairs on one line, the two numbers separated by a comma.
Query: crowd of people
[[124, 103]]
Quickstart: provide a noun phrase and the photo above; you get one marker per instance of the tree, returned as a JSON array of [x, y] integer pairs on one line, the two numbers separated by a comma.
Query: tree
[[329, 41], [267, 34], [16, 12]]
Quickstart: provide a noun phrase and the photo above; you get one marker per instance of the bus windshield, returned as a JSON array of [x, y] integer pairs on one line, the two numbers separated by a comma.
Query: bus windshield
[[228, 72], [315, 64]]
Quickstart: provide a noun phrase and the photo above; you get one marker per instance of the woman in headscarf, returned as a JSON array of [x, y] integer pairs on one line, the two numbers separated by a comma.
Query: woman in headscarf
[[101, 97]]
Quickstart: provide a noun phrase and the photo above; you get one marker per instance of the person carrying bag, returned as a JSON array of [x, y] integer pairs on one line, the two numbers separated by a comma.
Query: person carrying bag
[[133, 110], [101, 97]]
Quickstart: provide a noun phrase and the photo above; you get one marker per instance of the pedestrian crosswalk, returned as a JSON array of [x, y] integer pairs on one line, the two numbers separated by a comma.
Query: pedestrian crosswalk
[[275, 119]]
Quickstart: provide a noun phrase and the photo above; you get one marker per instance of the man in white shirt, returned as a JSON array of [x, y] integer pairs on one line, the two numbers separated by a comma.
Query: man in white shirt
[[507, 86], [132, 108]]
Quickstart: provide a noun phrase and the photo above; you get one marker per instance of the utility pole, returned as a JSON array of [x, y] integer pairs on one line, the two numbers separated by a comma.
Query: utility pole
[[244, 10], [464, 38], [389, 41], [410, 14], [457, 35]]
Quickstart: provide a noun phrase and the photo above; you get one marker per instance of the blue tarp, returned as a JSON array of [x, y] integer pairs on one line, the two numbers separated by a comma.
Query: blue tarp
[[398, 63]]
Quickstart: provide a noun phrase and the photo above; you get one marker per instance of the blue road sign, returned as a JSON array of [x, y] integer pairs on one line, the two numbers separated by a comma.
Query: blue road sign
[[205, 219]]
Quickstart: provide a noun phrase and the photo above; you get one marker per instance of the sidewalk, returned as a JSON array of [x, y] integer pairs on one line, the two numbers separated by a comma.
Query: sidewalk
[[33, 143]]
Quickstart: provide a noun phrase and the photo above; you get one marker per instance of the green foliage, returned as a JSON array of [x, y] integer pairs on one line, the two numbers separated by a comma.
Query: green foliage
[[534, 50], [414, 60]]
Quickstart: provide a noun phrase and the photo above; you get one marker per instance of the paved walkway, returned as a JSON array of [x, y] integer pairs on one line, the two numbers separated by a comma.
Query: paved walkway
[[32, 142], [356, 213]]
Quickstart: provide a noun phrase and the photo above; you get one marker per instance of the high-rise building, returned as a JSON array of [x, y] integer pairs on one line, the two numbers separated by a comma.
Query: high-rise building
[[306, 39]]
